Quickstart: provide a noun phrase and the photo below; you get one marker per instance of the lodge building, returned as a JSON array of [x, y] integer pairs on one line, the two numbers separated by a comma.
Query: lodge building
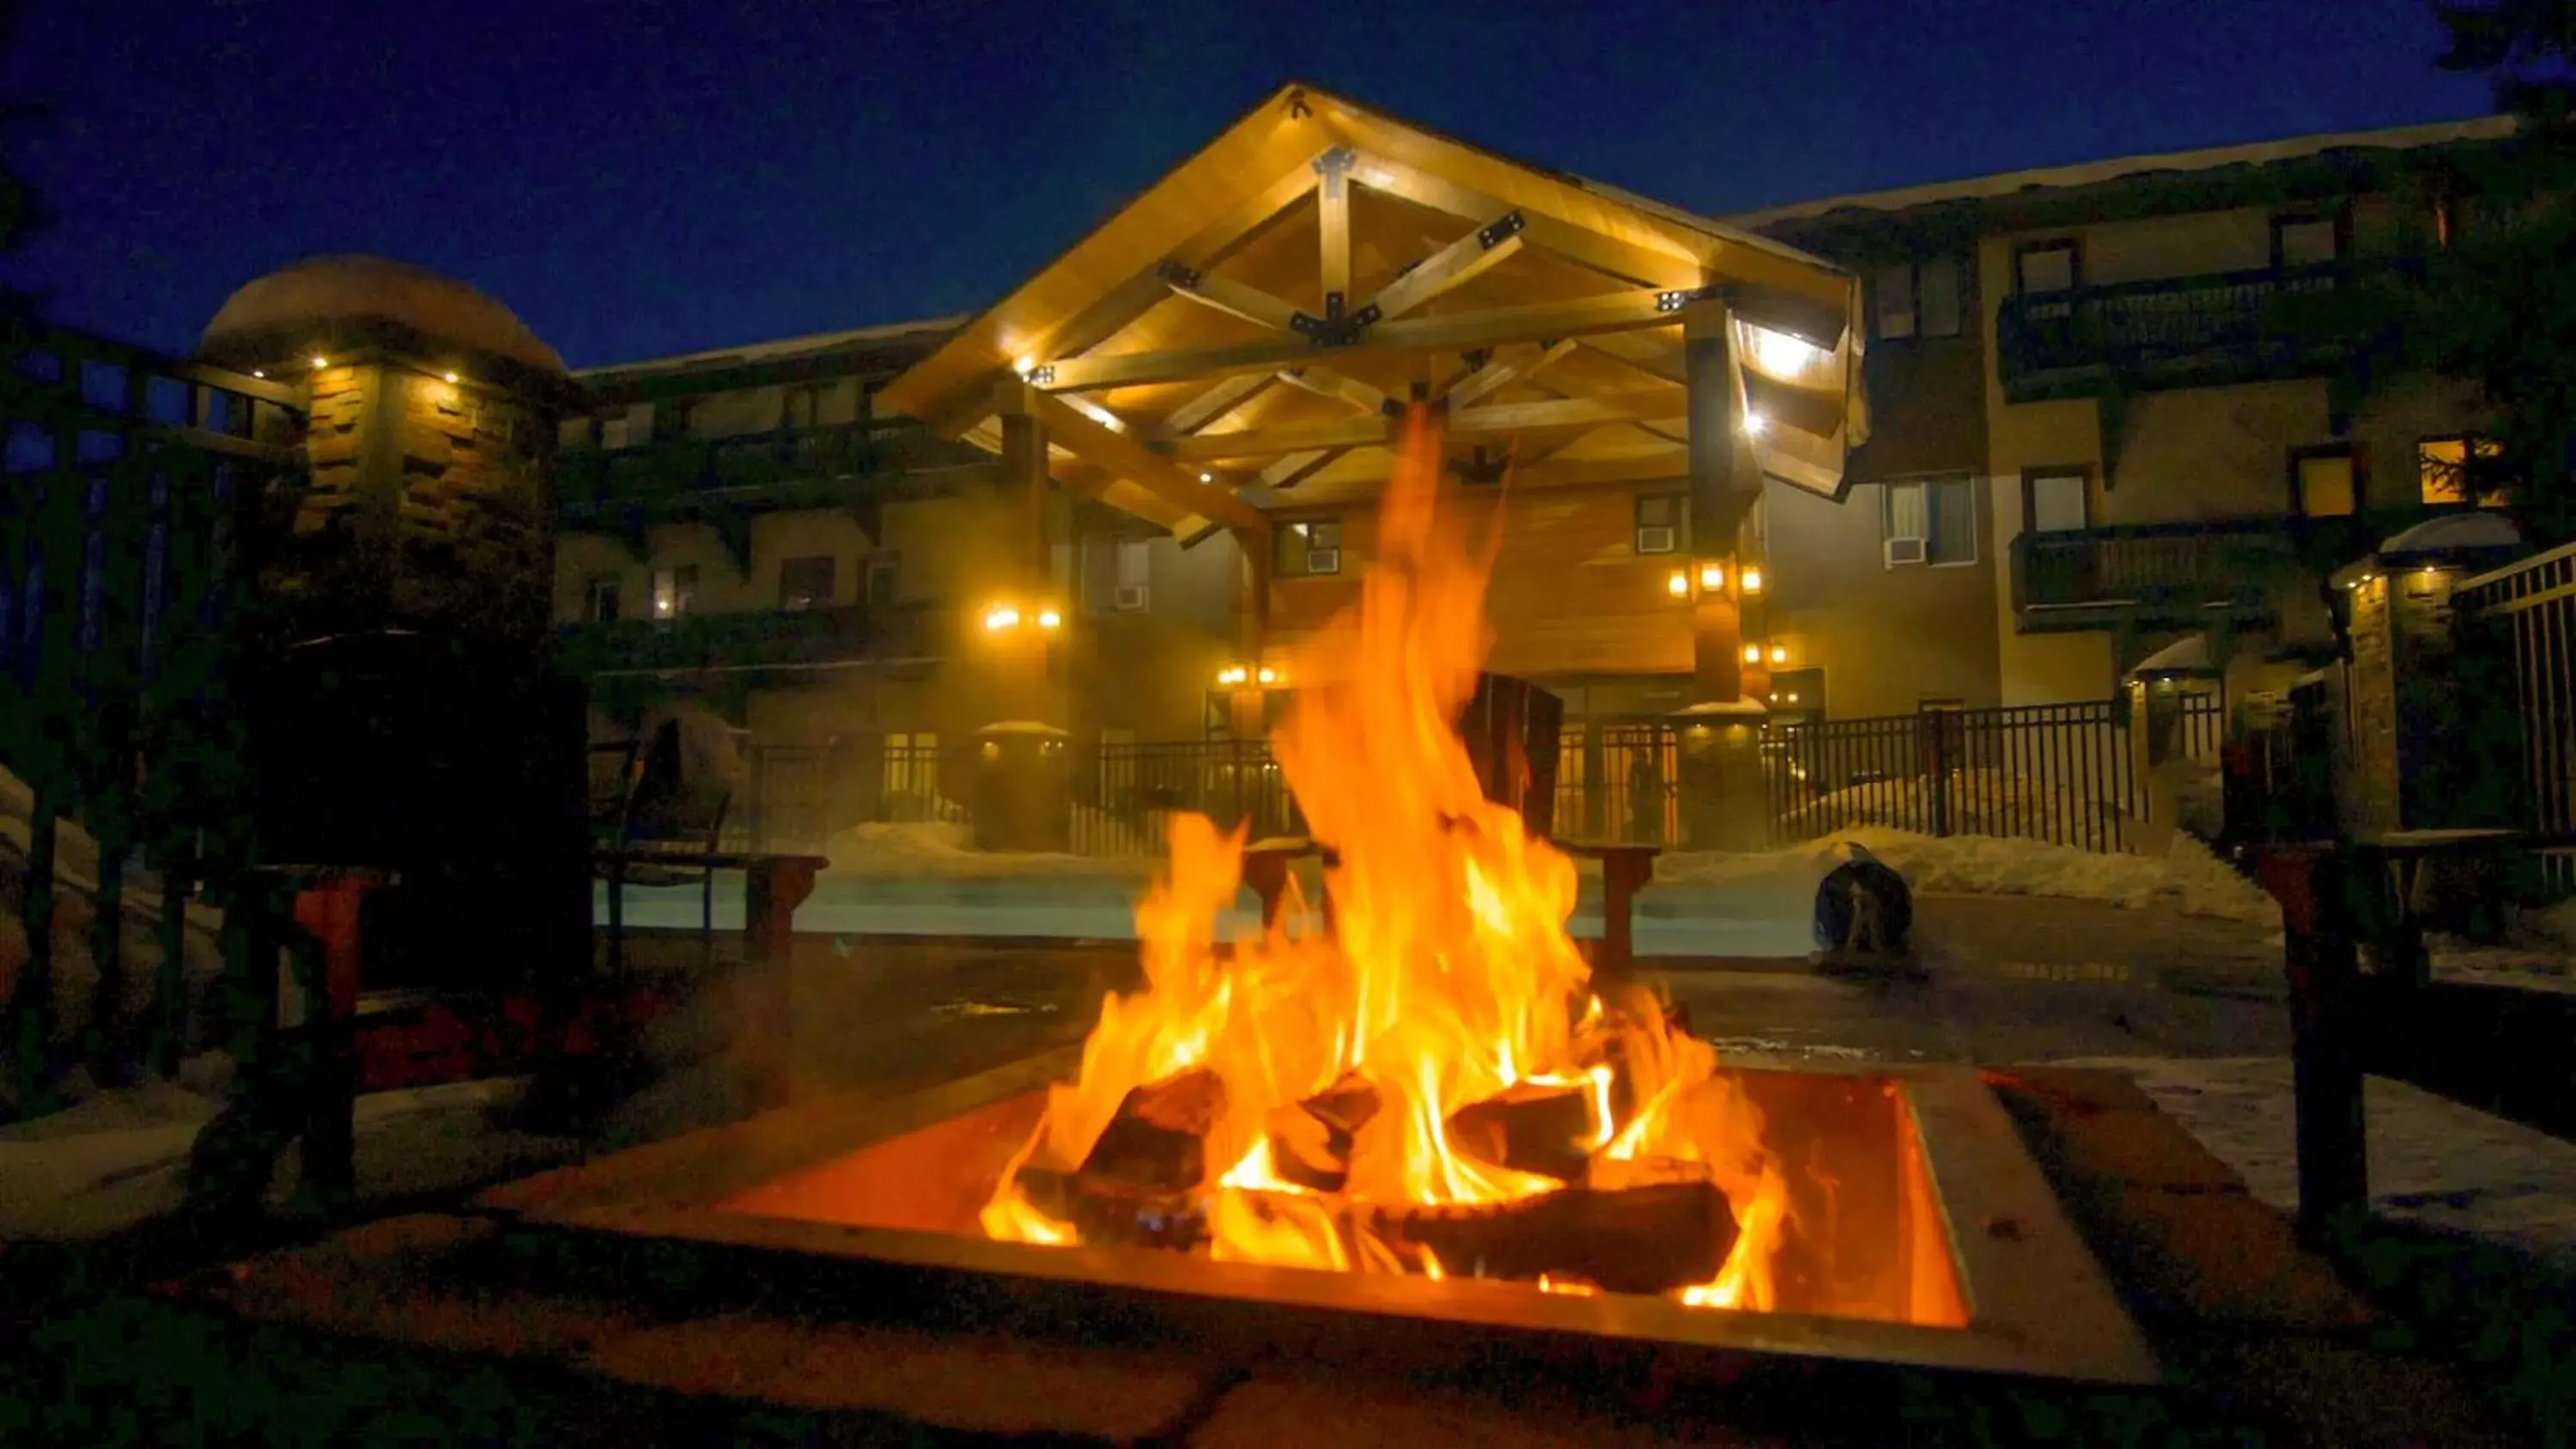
[[1984, 443]]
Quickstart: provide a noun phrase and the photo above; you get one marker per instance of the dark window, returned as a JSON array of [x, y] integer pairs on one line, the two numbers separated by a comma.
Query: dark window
[[2325, 482], [1933, 521], [2047, 266], [1310, 549], [806, 583], [2306, 240], [1919, 299], [2456, 469], [1663, 522], [599, 599], [883, 576], [2056, 500], [1798, 693], [1115, 573]]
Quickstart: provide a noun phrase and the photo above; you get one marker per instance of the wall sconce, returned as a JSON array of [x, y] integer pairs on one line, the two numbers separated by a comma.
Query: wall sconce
[[1754, 423], [1269, 675], [1231, 674], [1050, 619], [1001, 617], [1750, 580], [319, 361], [1752, 653], [1237, 675], [1678, 585], [453, 379], [1779, 654], [1712, 577]]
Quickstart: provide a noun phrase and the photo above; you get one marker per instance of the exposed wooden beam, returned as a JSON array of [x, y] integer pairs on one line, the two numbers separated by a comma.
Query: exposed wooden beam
[[1220, 398], [1495, 421], [1642, 352], [1623, 259], [1500, 372], [1294, 469], [1329, 382], [1462, 261], [1333, 228], [1233, 298], [1606, 312], [1098, 414], [1128, 458]]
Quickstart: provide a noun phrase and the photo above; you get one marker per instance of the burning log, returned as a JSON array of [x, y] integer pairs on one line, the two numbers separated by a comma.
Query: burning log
[[1311, 1142], [1527, 1127], [1139, 1181], [1645, 1239]]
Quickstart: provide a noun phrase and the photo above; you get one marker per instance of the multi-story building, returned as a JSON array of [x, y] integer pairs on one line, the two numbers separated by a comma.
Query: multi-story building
[[1116, 501]]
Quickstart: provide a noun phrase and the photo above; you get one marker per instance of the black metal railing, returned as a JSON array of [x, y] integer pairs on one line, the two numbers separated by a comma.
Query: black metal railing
[[2185, 573], [2065, 774], [2168, 331], [761, 639], [2519, 620], [742, 464], [1126, 794]]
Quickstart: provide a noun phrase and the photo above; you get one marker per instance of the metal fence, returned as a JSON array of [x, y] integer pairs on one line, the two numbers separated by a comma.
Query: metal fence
[[1126, 794], [2523, 618], [2061, 773]]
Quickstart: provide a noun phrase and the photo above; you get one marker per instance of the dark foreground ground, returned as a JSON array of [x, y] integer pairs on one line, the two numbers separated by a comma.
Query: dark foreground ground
[[2403, 1338]]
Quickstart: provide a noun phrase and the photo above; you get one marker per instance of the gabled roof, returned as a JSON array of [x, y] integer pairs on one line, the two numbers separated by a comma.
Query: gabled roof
[[1358, 259]]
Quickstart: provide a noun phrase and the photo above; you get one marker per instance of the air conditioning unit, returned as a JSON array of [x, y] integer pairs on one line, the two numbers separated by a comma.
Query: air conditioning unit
[[1907, 551], [1323, 560], [1127, 596], [1656, 540]]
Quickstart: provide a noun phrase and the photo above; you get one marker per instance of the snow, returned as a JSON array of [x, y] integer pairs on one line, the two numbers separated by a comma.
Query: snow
[[943, 849], [2432, 1161], [2456, 530], [2187, 877], [2183, 656], [1982, 802]]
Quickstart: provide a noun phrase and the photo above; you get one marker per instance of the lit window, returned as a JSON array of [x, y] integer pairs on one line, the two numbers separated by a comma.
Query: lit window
[[1931, 522], [1310, 549], [2323, 482], [2449, 469], [2049, 266], [2057, 501], [675, 591]]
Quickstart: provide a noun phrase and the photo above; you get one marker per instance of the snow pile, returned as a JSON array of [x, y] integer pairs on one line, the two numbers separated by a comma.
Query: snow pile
[[2456, 530], [1981, 802], [944, 849], [2432, 1161], [2187, 877]]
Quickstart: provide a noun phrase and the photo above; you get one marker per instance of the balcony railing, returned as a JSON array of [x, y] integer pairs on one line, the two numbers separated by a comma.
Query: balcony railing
[[768, 639], [742, 467], [2170, 332], [2178, 575]]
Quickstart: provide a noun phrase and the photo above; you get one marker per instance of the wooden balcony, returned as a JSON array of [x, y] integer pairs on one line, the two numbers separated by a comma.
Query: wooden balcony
[[754, 640], [2153, 576], [2171, 332]]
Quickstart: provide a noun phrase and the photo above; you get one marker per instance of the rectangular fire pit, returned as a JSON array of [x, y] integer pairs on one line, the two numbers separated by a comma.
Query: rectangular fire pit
[[1930, 1240]]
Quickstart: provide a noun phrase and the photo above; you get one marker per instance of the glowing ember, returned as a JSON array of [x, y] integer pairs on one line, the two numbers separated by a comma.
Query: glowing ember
[[1435, 1086]]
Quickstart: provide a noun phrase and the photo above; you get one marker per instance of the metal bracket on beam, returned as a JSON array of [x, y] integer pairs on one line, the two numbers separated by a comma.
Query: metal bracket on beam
[[1502, 229], [1677, 299], [1335, 331]]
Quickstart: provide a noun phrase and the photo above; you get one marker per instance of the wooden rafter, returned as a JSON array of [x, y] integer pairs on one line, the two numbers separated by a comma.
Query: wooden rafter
[[1340, 386], [1494, 421], [1218, 399], [1235, 299], [1123, 456], [1462, 261], [1610, 255], [1659, 360], [1333, 228], [1606, 312], [1500, 372]]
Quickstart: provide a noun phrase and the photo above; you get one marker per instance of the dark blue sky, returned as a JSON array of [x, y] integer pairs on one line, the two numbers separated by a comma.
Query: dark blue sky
[[637, 177]]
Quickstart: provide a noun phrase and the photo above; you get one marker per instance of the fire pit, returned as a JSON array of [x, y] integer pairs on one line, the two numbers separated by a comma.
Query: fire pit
[[1419, 1108]]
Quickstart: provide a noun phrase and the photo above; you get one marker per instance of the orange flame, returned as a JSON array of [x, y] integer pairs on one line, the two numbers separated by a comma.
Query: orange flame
[[1449, 977]]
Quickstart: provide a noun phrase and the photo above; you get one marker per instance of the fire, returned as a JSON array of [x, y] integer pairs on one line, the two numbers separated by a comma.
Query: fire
[[1297, 1101]]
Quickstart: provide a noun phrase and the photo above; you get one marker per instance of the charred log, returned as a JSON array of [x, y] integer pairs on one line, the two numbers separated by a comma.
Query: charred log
[[1139, 1184], [1649, 1239], [1529, 1128], [1311, 1142]]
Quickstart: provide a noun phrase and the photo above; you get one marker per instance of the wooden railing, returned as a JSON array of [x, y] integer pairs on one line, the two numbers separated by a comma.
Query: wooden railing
[[2169, 331], [2204, 571]]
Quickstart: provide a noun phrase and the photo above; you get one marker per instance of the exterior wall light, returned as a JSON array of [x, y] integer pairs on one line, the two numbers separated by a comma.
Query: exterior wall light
[[453, 379], [1269, 675], [1001, 617], [320, 361], [1678, 585], [1750, 579], [1050, 619], [1754, 423], [1712, 577], [1231, 674], [1752, 653], [1779, 653]]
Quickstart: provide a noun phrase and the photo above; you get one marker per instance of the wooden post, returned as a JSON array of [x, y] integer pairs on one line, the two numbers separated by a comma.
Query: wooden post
[[2315, 886], [764, 1040], [330, 911], [1724, 481]]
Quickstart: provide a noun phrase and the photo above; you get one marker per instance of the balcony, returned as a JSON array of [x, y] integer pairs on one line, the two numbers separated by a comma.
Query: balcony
[[2153, 576], [2171, 332], [769, 639]]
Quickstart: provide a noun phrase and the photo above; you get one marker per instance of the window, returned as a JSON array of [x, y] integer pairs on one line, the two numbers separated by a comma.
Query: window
[[884, 576], [2056, 500], [806, 583], [2048, 266], [1797, 693], [1663, 522], [912, 776], [1310, 549], [1116, 573], [629, 429], [1919, 299], [2306, 240], [675, 591], [599, 599], [2451, 470], [1931, 522], [2325, 482]]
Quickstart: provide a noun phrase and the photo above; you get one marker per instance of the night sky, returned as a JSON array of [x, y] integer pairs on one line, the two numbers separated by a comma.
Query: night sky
[[637, 179]]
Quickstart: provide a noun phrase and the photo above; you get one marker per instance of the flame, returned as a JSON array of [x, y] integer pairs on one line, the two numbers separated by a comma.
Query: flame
[[1448, 979]]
